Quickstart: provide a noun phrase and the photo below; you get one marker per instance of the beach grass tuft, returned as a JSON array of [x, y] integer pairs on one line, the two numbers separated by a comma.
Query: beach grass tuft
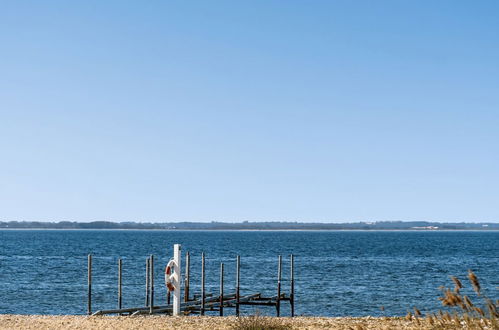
[[465, 314]]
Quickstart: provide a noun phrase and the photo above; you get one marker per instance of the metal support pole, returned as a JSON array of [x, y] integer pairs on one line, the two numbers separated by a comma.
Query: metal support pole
[[187, 276], [120, 266], [151, 283], [292, 293], [177, 279], [203, 294], [89, 275], [147, 282], [222, 289], [278, 301], [238, 276]]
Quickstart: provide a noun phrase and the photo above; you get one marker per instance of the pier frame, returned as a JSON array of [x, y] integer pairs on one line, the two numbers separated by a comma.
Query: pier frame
[[203, 302]]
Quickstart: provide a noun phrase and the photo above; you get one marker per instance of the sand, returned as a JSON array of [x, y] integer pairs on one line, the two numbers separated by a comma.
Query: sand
[[40, 322]]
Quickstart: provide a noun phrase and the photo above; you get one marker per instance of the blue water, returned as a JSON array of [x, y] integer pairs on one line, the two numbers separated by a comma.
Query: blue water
[[337, 273]]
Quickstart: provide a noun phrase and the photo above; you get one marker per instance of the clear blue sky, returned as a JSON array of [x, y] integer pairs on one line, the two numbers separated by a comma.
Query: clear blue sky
[[249, 110]]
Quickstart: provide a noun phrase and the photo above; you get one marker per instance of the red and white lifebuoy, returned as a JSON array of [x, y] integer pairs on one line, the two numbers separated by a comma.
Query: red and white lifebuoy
[[169, 275]]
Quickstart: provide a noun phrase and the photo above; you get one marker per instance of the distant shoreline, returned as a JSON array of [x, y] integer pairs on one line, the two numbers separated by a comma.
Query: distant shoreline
[[252, 230], [254, 226]]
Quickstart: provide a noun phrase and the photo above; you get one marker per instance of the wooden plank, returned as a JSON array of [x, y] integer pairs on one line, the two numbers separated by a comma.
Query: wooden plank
[[228, 301], [255, 303], [184, 306]]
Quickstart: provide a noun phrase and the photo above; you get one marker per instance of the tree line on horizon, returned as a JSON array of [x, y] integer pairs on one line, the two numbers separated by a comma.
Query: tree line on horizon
[[267, 225]]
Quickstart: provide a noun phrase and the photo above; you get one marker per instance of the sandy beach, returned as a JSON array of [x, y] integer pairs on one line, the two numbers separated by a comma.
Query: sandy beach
[[40, 322]]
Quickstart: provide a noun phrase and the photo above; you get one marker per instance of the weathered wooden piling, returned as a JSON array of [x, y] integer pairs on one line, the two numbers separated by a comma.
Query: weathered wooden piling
[[120, 265], [147, 282], [151, 283], [278, 300], [292, 286], [89, 281], [203, 293], [238, 276], [187, 276], [222, 289]]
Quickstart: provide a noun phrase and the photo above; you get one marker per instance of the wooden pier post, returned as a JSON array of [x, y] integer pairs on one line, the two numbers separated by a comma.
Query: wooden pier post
[[278, 301], [292, 288], [222, 289], [238, 276], [187, 276], [203, 293], [151, 284], [120, 265], [89, 278], [147, 282]]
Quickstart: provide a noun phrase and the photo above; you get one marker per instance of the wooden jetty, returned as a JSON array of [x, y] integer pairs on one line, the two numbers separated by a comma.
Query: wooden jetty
[[198, 303]]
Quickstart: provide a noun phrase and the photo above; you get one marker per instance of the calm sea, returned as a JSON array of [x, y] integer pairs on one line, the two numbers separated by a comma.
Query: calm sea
[[338, 273]]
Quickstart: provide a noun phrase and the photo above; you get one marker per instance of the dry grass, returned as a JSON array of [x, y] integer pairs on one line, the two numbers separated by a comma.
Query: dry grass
[[462, 313]]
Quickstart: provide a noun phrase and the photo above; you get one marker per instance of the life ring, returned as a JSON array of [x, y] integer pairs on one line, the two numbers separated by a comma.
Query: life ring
[[169, 275]]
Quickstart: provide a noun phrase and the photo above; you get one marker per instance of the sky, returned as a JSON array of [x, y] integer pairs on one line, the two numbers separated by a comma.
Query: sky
[[314, 111]]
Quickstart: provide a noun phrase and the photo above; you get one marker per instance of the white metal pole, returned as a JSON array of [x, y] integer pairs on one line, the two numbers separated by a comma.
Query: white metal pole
[[177, 278]]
